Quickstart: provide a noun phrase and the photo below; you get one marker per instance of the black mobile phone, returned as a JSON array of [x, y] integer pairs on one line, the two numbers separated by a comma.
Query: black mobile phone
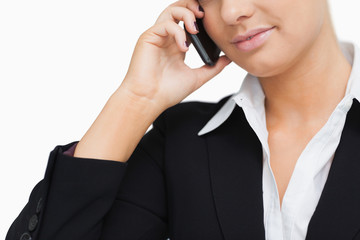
[[204, 45]]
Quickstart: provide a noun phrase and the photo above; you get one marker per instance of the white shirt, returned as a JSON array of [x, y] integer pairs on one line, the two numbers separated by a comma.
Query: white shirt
[[313, 165]]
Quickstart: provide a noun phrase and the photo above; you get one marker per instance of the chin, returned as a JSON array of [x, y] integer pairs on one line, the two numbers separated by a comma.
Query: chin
[[256, 67], [266, 61]]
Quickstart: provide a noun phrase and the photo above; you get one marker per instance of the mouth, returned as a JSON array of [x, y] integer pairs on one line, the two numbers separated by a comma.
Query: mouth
[[252, 39], [250, 34]]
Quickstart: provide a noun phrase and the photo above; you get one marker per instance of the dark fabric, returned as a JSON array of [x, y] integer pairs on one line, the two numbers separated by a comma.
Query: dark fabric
[[179, 185], [337, 214]]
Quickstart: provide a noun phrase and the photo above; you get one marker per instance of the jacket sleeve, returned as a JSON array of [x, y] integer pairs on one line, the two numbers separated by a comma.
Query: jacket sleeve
[[83, 198]]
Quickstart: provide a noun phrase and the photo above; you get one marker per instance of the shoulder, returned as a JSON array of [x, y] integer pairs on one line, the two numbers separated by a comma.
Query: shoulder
[[188, 116]]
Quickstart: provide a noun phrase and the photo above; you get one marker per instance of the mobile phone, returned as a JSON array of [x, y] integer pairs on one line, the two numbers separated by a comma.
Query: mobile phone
[[204, 45]]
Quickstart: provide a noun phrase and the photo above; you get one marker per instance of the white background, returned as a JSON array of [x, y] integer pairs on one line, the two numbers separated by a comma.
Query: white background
[[59, 63]]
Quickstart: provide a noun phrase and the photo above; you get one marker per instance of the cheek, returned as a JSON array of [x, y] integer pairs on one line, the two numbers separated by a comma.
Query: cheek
[[301, 20], [214, 29], [299, 23]]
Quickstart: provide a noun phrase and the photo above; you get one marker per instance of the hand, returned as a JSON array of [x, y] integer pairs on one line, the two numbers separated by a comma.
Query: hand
[[157, 71]]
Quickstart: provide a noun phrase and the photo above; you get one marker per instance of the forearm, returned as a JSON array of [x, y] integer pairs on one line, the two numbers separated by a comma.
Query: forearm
[[119, 127]]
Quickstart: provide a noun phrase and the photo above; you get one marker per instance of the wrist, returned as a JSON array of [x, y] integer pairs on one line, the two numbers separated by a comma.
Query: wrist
[[136, 105]]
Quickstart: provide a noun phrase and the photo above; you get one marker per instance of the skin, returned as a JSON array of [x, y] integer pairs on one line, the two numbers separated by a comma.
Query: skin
[[300, 60], [301, 68]]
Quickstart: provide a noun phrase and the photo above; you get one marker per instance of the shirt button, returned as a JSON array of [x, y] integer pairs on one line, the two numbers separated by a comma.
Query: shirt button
[[33, 222], [39, 206], [25, 236]]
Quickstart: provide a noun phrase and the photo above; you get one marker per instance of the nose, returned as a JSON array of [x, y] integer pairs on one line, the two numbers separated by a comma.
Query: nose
[[236, 11]]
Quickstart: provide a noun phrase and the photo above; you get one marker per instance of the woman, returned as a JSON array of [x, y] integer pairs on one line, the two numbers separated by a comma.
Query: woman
[[204, 170]]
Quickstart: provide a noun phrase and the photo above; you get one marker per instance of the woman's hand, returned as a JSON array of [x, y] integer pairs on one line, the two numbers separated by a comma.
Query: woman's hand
[[157, 71], [157, 78]]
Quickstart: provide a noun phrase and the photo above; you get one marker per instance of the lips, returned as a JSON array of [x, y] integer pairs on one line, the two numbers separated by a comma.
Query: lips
[[250, 34], [253, 39]]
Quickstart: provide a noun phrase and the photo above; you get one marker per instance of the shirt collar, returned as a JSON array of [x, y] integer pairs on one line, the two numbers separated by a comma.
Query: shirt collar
[[251, 93]]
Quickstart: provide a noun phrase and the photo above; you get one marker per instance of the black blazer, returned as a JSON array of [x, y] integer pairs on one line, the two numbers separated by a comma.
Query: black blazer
[[179, 185]]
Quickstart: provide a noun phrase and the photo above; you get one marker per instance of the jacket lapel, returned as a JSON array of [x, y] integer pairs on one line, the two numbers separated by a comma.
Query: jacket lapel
[[235, 161], [337, 215]]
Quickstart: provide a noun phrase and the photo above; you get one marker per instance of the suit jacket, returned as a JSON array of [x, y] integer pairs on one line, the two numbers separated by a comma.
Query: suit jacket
[[179, 185]]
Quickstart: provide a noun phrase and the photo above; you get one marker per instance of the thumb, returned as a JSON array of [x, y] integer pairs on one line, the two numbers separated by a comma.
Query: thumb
[[205, 73]]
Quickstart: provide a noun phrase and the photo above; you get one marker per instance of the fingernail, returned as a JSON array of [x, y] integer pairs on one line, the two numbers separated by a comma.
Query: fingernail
[[196, 26], [186, 43], [201, 9]]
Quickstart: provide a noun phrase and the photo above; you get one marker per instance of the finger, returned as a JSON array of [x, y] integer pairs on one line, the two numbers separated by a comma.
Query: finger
[[187, 16], [178, 14], [168, 13], [160, 33], [194, 6], [205, 73]]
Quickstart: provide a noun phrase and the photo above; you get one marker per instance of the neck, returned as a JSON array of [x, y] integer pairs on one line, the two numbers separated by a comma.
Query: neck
[[309, 90]]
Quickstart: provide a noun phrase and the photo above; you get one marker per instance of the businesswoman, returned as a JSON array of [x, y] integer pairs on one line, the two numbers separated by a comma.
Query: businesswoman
[[279, 159]]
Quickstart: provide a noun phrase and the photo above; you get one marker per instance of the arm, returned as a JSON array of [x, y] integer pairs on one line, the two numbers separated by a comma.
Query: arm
[[69, 186], [99, 199], [113, 184]]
